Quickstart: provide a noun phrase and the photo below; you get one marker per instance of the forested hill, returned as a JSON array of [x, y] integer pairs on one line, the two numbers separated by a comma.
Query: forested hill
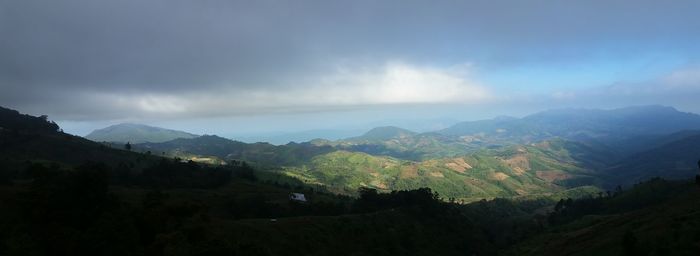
[[136, 133]]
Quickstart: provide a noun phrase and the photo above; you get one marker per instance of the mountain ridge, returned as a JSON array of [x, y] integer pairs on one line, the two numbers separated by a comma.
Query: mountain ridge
[[581, 124]]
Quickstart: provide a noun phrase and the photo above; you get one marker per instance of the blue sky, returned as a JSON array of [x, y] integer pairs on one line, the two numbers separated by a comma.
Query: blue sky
[[241, 68], [585, 73]]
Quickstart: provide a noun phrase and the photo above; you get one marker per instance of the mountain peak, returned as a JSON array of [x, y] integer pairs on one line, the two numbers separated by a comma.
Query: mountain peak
[[136, 133], [386, 132]]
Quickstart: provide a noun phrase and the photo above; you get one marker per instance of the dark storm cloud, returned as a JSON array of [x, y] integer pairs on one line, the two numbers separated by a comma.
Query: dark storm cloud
[[55, 56]]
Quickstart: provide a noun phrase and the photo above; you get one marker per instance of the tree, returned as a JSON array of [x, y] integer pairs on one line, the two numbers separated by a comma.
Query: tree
[[629, 243], [568, 202], [618, 190], [559, 205], [697, 177], [127, 146]]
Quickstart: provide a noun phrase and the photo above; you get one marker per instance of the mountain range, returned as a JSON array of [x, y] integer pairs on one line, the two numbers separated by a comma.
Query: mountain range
[[542, 153], [582, 124], [469, 161]]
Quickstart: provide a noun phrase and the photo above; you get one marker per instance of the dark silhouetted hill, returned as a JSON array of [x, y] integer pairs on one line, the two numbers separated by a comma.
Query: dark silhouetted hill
[[14, 121], [674, 160]]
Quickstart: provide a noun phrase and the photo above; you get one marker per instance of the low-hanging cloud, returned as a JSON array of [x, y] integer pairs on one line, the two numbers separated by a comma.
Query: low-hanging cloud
[[679, 87], [392, 83], [687, 78]]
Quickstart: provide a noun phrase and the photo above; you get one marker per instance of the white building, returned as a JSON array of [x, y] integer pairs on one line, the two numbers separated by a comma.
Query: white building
[[297, 197]]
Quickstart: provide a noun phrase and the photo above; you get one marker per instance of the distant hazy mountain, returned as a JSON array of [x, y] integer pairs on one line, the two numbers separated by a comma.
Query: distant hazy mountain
[[622, 132], [136, 133], [582, 124], [282, 138], [385, 133]]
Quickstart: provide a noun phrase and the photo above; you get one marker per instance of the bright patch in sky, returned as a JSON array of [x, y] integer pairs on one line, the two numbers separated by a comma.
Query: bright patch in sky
[[397, 83], [393, 83]]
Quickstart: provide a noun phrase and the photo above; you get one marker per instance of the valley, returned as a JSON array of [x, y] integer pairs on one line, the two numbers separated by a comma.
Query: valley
[[475, 160]]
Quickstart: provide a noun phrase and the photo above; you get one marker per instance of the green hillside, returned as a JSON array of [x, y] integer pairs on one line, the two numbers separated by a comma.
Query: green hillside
[[136, 133], [505, 172], [465, 174], [415, 147], [261, 154]]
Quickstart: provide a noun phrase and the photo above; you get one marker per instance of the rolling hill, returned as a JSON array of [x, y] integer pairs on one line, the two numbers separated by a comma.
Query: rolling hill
[[512, 171], [414, 147], [554, 155], [621, 131], [508, 171], [262, 154], [136, 133]]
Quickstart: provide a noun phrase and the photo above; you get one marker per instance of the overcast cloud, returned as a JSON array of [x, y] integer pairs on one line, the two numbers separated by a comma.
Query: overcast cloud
[[95, 60]]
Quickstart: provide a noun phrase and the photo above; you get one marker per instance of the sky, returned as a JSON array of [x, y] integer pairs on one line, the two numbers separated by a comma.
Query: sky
[[250, 68]]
